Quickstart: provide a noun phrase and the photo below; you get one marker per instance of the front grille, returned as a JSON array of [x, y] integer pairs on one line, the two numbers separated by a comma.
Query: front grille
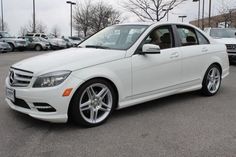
[[19, 77], [231, 46], [21, 103]]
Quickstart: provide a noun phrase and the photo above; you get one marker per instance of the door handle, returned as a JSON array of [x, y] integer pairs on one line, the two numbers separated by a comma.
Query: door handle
[[174, 55], [204, 49]]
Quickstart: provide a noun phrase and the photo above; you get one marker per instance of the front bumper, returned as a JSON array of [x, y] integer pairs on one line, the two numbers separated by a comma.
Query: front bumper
[[5, 49], [52, 96]]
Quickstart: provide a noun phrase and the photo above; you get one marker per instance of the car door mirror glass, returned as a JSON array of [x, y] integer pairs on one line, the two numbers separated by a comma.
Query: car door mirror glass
[[151, 49]]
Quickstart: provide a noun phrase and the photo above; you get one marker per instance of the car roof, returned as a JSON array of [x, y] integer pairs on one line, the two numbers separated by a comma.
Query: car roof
[[155, 23]]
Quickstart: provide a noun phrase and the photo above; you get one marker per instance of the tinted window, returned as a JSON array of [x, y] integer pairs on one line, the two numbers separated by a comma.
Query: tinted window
[[37, 35], [187, 36], [202, 39], [161, 36]]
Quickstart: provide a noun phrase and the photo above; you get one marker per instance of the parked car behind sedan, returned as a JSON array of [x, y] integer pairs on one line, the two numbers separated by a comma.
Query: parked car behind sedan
[[57, 43], [76, 40], [144, 62], [14, 43], [69, 42], [37, 43], [225, 36], [4, 47]]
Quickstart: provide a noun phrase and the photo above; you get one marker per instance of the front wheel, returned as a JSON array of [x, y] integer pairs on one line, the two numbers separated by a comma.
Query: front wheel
[[212, 81], [93, 103]]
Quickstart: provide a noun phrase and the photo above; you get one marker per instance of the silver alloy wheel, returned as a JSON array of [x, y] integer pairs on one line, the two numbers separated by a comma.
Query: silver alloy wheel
[[95, 103], [213, 79]]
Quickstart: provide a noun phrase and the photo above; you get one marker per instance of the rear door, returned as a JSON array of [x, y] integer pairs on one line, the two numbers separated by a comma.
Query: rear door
[[194, 47]]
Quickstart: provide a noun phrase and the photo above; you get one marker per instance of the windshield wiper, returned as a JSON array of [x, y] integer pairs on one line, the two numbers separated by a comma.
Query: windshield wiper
[[97, 47]]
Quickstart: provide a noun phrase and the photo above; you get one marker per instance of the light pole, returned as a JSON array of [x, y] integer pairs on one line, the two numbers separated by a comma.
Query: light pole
[[2, 15], [203, 12], [182, 17], [199, 11], [209, 20], [71, 4], [167, 12], [34, 30]]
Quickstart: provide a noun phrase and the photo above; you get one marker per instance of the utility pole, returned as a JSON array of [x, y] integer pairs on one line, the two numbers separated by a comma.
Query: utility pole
[[203, 12], [71, 4], [2, 15], [34, 30], [199, 12], [209, 20]]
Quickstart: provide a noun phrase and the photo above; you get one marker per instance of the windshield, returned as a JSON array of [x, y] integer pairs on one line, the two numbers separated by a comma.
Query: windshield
[[5, 35], [119, 37], [223, 33]]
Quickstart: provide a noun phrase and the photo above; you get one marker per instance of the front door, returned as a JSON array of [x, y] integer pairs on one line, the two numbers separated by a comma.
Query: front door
[[153, 73]]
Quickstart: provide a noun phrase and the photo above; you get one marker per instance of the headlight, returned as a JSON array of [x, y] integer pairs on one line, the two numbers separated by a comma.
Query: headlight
[[51, 79]]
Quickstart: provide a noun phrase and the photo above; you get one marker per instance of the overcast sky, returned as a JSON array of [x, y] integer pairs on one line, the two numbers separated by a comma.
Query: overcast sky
[[52, 13]]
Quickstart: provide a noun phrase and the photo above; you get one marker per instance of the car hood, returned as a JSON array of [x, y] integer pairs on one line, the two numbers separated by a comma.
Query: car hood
[[226, 40], [69, 59]]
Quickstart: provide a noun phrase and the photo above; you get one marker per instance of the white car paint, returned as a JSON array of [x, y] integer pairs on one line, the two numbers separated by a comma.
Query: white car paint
[[138, 78], [226, 41]]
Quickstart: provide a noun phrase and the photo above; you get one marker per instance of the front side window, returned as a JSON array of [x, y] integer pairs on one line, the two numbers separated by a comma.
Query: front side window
[[119, 37], [187, 36], [161, 36]]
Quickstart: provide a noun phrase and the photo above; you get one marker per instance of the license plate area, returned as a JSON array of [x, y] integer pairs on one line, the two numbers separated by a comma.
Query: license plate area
[[10, 94]]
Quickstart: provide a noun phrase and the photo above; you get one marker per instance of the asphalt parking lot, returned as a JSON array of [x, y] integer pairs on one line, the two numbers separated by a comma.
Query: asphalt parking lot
[[185, 125]]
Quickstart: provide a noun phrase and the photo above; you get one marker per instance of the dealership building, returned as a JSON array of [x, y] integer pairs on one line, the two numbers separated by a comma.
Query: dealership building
[[223, 20]]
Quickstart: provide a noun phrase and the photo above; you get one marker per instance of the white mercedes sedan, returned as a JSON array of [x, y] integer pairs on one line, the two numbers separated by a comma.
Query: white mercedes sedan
[[120, 66]]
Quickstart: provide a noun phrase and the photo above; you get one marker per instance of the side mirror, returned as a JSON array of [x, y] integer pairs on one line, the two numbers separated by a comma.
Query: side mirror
[[151, 49], [0, 36]]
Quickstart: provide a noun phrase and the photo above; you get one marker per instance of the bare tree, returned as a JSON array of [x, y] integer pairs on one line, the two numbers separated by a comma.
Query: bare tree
[[40, 27], [82, 16], [5, 26], [23, 31], [151, 10], [55, 31], [226, 12], [103, 15], [91, 17]]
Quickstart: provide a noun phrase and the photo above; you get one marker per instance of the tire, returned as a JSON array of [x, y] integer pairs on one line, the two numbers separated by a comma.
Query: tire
[[212, 81], [12, 47], [89, 109], [38, 48]]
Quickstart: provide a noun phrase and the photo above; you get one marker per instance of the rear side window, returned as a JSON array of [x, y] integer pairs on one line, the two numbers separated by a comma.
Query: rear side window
[[202, 39], [187, 36]]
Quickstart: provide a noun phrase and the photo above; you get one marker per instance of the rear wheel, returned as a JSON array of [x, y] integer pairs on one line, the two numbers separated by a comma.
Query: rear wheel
[[93, 103], [212, 81], [38, 48]]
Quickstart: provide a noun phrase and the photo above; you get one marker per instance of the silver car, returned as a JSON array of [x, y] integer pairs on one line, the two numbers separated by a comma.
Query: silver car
[[4, 47], [37, 43], [15, 43]]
